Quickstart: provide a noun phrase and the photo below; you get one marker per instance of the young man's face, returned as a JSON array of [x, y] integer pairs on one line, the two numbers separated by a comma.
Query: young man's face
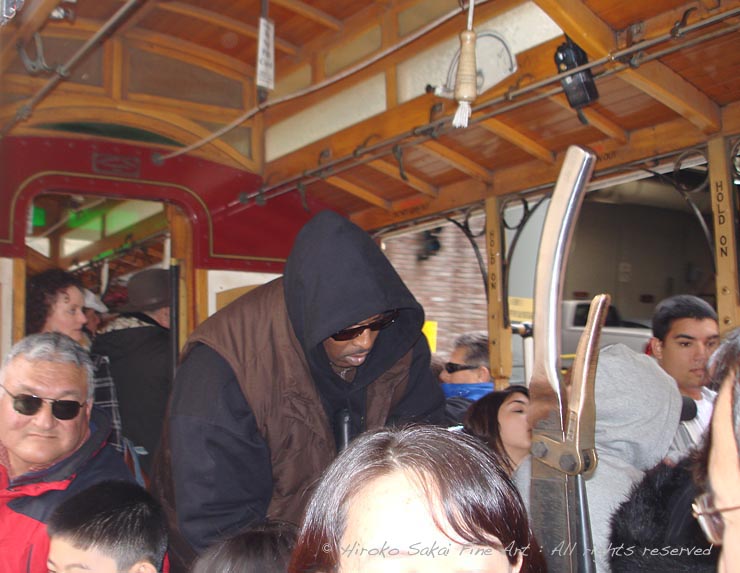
[[66, 558], [685, 351]]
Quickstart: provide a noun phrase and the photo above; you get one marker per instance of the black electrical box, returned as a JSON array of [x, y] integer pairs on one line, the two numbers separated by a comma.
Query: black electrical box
[[580, 88]]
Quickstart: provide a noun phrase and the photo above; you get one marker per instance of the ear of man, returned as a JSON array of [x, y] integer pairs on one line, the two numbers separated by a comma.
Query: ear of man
[[656, 346], [142, 567]]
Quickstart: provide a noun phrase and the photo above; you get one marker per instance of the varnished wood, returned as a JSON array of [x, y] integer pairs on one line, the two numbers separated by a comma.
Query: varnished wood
[[410, 179], [458, 160], [19, 299], [311, 13], [515, 136], [359, 191]]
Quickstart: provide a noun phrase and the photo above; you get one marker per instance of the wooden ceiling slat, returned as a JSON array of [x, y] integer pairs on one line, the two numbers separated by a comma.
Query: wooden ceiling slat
[[224, 22], [598, 120], [654, 78], [515, 136], [359, 191], [458, 161], [307, 11], [410, 180]]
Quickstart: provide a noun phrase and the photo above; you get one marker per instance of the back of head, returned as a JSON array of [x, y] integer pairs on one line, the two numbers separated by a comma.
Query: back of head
[[475, 345], [454, 471], [53, 347], [42, 290], [148, 290], [263, 548], [678, 307], [638, 407], [119, 519]]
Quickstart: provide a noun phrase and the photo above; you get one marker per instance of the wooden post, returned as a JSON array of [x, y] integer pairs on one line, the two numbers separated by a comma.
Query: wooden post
[[725, 242], [182, 250], [19, 300], [499, 329]]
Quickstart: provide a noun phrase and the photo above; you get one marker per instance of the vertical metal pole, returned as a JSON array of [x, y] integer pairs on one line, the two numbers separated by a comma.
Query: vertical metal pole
[[174, 314]]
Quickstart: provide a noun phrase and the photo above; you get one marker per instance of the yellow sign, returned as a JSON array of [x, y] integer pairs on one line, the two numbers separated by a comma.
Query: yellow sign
[[521, 309], [430, 331]]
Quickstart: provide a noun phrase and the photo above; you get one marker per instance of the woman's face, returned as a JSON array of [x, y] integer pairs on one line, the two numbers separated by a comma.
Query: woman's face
[[66, 315], [514, 426], [390, 529], [724, 475]]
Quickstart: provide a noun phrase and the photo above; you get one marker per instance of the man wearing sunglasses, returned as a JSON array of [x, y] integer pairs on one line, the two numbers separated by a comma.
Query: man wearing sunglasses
[[466, 377], [272, 386], [52, 442]]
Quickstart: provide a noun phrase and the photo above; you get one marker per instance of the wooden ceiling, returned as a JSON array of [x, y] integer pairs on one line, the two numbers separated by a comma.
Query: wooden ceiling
[[170, 73]]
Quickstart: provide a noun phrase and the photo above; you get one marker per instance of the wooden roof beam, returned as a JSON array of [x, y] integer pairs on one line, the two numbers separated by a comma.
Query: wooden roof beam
[[410, 180], [654, 78], [359, 191], [519, 139], [597, 120], [458, 161], [310, 13], [227, 23]]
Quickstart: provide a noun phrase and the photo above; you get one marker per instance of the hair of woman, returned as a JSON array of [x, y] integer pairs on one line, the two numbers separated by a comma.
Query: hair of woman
[[478, 501], [42, 291], [481, 421]]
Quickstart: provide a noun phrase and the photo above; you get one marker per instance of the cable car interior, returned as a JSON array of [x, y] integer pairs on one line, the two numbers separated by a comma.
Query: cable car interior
[[203, 134]]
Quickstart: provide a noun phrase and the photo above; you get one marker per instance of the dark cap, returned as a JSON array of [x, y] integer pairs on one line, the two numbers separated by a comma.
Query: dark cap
[[148, 290]]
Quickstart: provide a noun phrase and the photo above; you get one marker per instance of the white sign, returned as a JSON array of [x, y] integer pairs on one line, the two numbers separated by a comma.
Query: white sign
[[266, 55]]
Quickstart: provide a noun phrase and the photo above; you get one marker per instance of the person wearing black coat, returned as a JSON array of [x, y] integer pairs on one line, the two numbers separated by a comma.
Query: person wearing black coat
[[654, 530]]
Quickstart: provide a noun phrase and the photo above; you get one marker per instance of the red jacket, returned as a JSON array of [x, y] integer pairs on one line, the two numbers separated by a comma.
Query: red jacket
[[27, 501]]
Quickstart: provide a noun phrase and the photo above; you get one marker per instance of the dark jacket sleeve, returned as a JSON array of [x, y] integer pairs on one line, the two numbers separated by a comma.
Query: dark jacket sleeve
[[220, 463], [423, 401]]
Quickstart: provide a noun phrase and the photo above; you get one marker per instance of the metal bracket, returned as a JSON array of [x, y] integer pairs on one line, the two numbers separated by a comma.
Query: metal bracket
[[398, 154], [677, 30], [301, 188], [34, 66]]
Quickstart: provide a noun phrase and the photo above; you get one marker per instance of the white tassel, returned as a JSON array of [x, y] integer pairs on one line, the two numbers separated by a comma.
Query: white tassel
[[462, 115]]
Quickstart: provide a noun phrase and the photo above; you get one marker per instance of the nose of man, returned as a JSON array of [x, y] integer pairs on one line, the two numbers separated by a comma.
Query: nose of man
[[44, 419]]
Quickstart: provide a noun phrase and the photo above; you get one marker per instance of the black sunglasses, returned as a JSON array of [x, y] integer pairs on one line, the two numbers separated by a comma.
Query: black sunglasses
[[386, 319], [452, 367], [29, 405]]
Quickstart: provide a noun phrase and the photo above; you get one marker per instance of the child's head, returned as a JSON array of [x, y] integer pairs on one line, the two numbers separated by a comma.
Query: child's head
[[261, 549], [111, 527]]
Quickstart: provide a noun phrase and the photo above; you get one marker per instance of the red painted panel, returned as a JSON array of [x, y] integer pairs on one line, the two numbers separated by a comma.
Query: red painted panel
[[227, 235]]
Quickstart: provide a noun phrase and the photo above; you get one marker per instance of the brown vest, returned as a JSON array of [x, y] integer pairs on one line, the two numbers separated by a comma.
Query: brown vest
[[255, 336]]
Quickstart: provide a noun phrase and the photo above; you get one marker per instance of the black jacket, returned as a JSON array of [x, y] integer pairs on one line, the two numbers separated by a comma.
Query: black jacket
[[654, 529], [140, 365]]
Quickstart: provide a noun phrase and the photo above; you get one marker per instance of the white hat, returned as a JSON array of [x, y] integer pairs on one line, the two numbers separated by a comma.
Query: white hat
[[93, 301]]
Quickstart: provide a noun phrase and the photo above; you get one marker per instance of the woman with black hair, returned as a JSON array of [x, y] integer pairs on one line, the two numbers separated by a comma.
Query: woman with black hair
[[500, 420], [416, 499]]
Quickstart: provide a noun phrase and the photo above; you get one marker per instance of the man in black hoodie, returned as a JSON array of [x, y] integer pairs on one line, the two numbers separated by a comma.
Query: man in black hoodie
[[273, 385]]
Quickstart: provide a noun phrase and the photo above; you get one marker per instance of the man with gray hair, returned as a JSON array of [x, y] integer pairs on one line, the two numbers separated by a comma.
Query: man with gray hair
[[466, 377], [52, 442]]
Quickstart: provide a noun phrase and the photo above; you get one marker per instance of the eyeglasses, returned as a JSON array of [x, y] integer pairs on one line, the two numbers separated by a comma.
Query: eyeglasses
[[710, 517], [385, 320], [29, 405], [452, 367]]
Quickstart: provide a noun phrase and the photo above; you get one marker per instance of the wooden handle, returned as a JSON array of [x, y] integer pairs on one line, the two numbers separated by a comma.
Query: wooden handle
[[466, 79]]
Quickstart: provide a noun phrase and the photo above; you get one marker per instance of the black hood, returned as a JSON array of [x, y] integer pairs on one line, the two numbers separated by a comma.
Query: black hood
[[336, 276]]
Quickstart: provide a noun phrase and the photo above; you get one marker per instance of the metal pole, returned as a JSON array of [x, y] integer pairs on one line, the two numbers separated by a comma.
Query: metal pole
[[174, 314]]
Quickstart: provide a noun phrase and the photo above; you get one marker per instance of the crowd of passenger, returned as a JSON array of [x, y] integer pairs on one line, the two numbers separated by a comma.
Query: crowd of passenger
[[306, 430]]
